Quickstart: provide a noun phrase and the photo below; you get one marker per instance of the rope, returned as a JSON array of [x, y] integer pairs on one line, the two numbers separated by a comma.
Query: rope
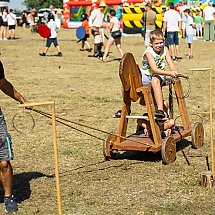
[[58, 119], [20, 130], [179, 116], [188, 91]]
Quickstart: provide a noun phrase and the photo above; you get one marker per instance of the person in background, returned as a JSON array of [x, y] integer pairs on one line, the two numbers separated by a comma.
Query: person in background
[[208, 13], [183, 24], [189, 32], [198, 20], [114, 27], [6, 151], [11, 17], [24, 19], [53, 37], [96, 23], [58, 18], [172, 23], [119, 11], [85, 24], [3, 31], [148, 21]]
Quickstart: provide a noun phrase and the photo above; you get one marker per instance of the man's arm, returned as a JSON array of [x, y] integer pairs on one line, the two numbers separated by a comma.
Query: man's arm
[[164, 26], [92, 18], [9, 90]]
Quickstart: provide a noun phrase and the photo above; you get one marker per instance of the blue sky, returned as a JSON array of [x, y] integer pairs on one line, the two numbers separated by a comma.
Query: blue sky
[[16, 4]]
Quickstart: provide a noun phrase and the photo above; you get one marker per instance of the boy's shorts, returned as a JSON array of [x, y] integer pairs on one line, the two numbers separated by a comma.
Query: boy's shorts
[[172, 38], [49, 41], [189, 38], [6, 151], [86, 37], [199, 27], [10, 27], [147, 79]]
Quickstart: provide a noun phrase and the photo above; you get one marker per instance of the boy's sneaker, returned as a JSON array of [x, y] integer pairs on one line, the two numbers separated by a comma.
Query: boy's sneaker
[[42, 54], [160, 114], [59, 54], [10, 204]]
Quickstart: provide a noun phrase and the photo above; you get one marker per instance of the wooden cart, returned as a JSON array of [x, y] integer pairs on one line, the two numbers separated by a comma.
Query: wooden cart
[[132, 90]]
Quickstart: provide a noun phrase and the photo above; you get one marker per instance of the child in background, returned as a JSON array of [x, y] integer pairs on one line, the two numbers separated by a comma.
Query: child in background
[[189, 32], [85, 24], [53, 36], [198, 20], [154, 61], [114, 27]]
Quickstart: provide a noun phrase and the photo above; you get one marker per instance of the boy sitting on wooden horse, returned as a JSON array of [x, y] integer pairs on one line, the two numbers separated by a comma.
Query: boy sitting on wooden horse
[[154, 61]]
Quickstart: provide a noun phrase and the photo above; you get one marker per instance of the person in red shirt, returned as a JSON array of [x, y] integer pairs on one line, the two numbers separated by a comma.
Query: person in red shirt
[[85, 24]]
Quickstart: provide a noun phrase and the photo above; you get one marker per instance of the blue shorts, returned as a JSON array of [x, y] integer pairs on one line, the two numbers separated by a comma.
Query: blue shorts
[[49, 41], [189, 38], [172, 38], [147, 79]]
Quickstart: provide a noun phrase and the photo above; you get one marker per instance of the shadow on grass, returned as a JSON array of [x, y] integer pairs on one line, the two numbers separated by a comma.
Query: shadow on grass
[[21, 185]]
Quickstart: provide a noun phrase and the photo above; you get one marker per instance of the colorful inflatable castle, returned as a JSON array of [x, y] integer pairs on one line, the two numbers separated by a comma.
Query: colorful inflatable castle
[[131, 12], [74, 8]]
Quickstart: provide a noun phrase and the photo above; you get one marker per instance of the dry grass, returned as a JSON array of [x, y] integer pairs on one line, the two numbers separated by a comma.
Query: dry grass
[[89, 91]]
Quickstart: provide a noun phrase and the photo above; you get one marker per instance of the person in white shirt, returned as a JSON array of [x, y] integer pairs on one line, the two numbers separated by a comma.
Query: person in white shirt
[[11, 19], [183, 25], [208, 22], [189, 32], [115, 37], [4, 24], [53, 36], [96, 23], [172, 22]]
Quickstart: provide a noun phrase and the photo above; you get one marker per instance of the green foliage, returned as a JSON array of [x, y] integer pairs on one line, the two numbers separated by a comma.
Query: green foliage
[[43, 3]]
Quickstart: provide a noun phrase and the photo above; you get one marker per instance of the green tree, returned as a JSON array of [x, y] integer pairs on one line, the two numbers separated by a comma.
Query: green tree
[[43, 3]]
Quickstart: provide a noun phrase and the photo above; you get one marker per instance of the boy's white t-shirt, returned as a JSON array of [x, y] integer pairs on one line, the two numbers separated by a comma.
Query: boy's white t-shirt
[[52, 25], [116, 24], [209, 11], [11, 19], [189, 27], [172, 17]]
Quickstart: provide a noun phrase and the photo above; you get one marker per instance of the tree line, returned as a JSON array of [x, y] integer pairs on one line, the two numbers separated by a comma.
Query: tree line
[[43, 3]]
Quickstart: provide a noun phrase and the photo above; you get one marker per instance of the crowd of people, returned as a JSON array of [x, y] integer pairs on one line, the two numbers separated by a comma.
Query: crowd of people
[[31, 19]]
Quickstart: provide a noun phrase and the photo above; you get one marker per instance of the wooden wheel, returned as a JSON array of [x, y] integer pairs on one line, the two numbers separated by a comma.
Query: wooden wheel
[[197, 135], [107, 146], [168, 150]]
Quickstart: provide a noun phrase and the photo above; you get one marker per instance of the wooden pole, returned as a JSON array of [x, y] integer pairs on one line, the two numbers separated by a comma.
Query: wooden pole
[[54, 136], [56, 159], [211, 124]]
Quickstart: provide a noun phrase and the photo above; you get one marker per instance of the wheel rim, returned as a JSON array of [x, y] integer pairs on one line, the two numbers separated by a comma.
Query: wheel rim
[[168, 150], [197, 135]]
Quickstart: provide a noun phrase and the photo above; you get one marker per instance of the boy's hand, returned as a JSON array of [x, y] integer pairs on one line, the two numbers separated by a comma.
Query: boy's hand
[[174, 73]]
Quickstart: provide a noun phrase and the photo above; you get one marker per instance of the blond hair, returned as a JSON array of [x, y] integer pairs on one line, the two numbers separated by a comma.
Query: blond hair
[[156, 34]]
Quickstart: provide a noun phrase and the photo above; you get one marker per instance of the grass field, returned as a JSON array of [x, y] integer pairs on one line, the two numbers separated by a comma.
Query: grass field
[[88, 91]]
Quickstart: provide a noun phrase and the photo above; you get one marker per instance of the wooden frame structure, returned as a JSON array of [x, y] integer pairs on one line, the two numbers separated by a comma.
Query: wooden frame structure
[[54, 138], [132, 90]]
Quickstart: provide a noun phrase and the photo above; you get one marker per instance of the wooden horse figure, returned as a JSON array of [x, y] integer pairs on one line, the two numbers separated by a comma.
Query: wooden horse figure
[[132, 90]]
